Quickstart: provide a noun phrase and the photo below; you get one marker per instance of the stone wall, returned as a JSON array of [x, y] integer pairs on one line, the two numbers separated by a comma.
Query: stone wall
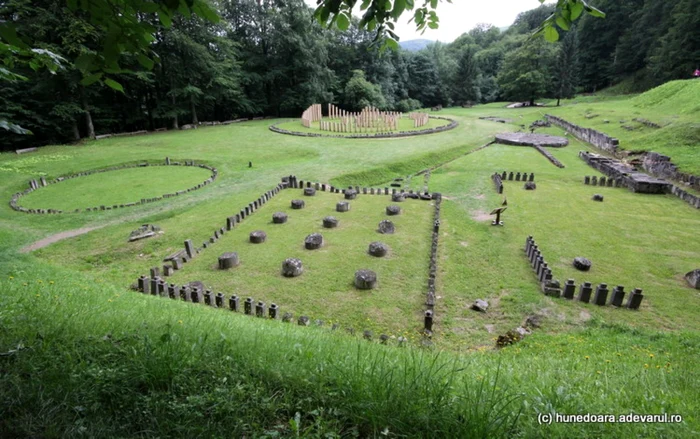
[[630, 178], [661, 166], [595, 138]]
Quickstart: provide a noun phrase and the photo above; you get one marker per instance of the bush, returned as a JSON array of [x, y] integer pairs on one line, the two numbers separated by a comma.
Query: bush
[[408, 105]]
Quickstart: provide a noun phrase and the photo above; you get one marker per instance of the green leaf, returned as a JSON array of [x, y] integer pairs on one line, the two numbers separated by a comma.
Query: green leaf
[[202, 9], [149, 7], [399, 7], [84, 62], [342, 22], [576, 10], [91, 79], [391, 44], [114, 85], [433, 25], [594, 12], [434, 4], [9, 34], [165, 18], [551, 34], [145, 61], [562, 22]]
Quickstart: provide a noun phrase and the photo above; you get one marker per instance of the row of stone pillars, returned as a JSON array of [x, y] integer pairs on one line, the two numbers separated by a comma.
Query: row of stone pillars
[[552, 287]]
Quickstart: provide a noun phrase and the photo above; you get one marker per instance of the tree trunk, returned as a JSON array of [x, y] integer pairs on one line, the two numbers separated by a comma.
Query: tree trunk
[[76, 131], [194, 111], [558, 99], [88, 117], [176, 125], [532, 102], [149, 112]]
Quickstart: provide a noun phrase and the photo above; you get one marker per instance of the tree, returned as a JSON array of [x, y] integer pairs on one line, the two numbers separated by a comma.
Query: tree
[[466, 88], [678, 54], [526, 74], [566, 67], [360, 93]]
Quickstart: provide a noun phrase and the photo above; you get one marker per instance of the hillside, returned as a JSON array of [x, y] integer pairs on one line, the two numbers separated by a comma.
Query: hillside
[[415, 45]]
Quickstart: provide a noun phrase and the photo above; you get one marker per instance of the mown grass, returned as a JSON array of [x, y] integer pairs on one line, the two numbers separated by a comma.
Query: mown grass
[[405, 124], [94, 359], [115, 187], [108, 363], [325, 290]]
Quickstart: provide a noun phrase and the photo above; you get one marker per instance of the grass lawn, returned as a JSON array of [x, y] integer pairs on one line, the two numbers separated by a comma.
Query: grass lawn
[[405, 124], [325, 290], [115, 187], [83, 355]]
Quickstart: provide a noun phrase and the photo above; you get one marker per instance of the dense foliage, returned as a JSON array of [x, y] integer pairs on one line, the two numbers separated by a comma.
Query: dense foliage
[[271, 58]]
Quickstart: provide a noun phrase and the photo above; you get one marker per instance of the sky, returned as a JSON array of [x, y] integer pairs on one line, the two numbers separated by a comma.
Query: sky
[[461, 16]]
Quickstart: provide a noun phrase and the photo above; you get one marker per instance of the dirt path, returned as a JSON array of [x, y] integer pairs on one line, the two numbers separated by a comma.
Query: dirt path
[[57, 237]]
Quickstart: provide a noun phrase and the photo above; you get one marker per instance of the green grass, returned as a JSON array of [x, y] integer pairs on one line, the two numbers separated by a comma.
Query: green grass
[[115, 187], [325, 290], [405, 124], [83, 355]]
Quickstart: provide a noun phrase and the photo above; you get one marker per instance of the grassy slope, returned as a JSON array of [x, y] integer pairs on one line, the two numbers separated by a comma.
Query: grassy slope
[[150, 381]]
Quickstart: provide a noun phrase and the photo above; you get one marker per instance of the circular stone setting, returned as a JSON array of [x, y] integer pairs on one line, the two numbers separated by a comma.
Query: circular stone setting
[[386, 227], [378, 249], [365, 279], [581, 263], [350, 194], [393, 210], [279, 217], [292, 267], [313, 241], [258, 237], [297, 204], [330, 222], [531, 139]]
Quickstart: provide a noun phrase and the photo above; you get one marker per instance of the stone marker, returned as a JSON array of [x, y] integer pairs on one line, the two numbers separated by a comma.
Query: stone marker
[[480, 305], [397, 198], [287, 317], [386, 227], [219, 300], [297, 204], [292, 267], [189, 248], [258, 237], [601, 295], [378, 249], [248, 306], [597, 197], [343, 206], [260, 309], [350, 194], [313, 241], [582, 264], [365, 279], [569, 289], [585, 291], [530, 186], [586, 180], [309, 191], [228, 260], [168, 270], [273, 311], [304, 321], [279, 218], [428, 322], [617, 296], [693, 278], [634, 299], [330, 222], [233, 303], [393, 210]]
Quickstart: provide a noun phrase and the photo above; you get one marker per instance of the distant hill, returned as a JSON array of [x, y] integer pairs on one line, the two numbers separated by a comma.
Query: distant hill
[[414, 45]]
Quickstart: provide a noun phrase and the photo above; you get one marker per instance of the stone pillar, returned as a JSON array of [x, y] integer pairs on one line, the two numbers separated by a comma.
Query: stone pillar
[[172, 291], [168, 270], [194, 294], [274, 311], [143, 283], [233, 303], [154, 286], [510, 176], [189, 248], [635, 299], [601, 295], [586, 180], [585, 291], [207, 297], [248, 306], [260, 309], [569, 289], [517, 176], [184, 293], [228, 260], [617, 296], [532, 177], [428, 321]]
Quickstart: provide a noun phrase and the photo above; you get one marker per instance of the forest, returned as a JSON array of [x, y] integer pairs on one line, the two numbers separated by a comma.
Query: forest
[[271, 58]]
